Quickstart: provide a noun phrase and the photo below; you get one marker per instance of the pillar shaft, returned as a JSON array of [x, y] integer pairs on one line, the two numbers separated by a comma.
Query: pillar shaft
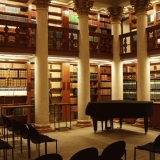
[[143, 86], [116, 14], [41, 66]]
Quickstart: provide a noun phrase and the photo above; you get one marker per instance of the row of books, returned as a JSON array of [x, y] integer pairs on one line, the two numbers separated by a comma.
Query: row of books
[[155, 76], [73, 77], [155, 84], [73, 100], [104, 77], [73, 18], [54, 66], [92, 38], [129, 77], [55, 84], [104, 31], [106, 84], [93, 91], [13, 73], [73, 26], [54, 9], [20, 111], [4, 8], [13, 18], [55, 75], [105, 98], [13, 82], [105, 69], [105, 25], [129, 85], [155, 94], [129, 94], [73, 85], [155, 68], [73, 68], [13, 91], [93, 22], [105, 19], [158, 16], [93, 76], [150, 18], [105, 91]]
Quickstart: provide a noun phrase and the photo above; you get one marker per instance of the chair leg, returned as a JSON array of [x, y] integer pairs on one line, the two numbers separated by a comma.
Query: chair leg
[[38, 149], [152, 156], [125, 155], [45, 147], [29, 149], [56, 147], [134, 153], [21, 143]]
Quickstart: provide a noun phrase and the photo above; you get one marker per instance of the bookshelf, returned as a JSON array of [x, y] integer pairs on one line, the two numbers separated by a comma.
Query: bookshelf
[[93, 22], [54, 16], [129, 82], [14, 11], [105, 83], [155, 82], [73, 19], [94, 82], [105, 24], [73, 90]]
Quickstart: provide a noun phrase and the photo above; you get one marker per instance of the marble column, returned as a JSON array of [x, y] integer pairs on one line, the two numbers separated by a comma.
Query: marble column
[[116, 14], [41, 68], [143, 78], [82, 7]]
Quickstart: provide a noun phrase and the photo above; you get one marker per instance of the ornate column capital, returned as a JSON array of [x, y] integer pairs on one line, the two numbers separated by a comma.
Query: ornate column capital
[[41, 3], [82, 7], [140, 5], [115, 12]]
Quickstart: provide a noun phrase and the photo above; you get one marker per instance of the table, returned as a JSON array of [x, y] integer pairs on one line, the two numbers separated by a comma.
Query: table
[[64, 108], [3, 108]]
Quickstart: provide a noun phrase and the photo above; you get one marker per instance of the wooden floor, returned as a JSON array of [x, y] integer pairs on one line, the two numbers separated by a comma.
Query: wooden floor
[[72, 140]]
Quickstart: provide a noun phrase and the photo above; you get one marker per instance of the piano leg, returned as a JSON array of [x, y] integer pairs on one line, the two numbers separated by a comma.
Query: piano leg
[[94, 124], [120, 122], [146, 124]]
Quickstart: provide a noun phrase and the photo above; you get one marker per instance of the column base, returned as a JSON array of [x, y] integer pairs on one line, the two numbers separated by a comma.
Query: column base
[[43, 128], [83, 123]]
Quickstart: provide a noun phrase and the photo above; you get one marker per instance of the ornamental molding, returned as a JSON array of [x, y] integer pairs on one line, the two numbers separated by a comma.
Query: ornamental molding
[[116, 13], [82, 7], [41, 3], [140, 6]]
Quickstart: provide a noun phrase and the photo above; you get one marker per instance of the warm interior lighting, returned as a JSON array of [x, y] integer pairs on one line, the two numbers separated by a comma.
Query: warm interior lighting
[[130, 61]]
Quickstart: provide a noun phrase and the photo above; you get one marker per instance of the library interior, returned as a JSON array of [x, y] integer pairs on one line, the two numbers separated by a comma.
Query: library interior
[[56, 56]]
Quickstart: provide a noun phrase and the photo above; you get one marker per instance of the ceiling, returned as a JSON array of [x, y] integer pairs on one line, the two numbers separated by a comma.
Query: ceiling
[[98, 4]]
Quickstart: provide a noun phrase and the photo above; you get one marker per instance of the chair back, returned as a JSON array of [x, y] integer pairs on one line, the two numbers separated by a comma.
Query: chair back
[[114, 151], [157, 141], [33, 133], [86, 154], [50, 157]]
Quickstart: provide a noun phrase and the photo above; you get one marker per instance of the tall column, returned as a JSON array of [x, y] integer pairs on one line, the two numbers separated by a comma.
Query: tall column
[[82, 7], [116, 14], [143, 80], [41, 67]]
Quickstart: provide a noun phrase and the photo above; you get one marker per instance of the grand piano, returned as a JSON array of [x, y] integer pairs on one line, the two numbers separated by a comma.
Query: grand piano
[[119, 109]]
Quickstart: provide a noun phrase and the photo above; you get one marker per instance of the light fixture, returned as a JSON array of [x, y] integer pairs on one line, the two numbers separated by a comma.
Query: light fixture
[[130, 61]]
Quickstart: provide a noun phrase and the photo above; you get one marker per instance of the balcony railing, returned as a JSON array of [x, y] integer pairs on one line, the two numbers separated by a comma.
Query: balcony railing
[[101, 45], [17, 34], [153, 39], [63, 39], [128, 44]]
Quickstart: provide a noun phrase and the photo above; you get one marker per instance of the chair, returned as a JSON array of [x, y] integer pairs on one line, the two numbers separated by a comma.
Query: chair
[[86, 154], [114, 151], [5, 146], [52, 156], [152, 147], [24, 133], [38, 138], [10, 127]]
